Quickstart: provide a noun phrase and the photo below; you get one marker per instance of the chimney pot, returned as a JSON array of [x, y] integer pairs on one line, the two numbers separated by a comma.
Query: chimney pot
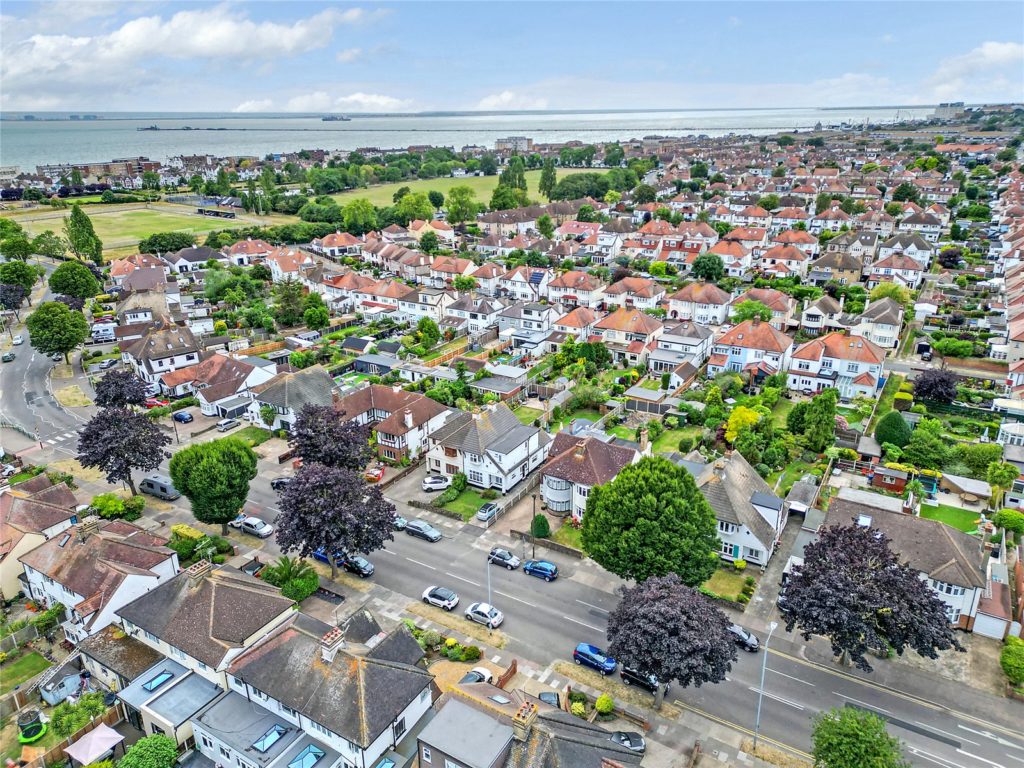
[[197, 572]]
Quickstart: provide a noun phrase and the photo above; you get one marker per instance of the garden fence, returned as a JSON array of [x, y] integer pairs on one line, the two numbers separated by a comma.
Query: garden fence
[[17, 639]]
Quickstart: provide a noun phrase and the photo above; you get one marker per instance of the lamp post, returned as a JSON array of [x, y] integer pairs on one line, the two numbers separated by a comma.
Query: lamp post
[[760, 690], [533, 537]]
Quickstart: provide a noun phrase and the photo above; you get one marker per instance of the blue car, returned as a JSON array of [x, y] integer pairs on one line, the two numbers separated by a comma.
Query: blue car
[[542, 569], [182, 417], [339, 557], [591, 656]]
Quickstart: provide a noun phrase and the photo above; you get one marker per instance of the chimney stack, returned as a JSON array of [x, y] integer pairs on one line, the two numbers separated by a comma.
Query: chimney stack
[[407, 419], [87, 527], [522, 722], [330, 643], [643, 440], [197, 572]]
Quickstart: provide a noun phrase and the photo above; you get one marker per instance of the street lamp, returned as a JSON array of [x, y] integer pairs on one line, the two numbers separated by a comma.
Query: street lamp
[[760, 690]]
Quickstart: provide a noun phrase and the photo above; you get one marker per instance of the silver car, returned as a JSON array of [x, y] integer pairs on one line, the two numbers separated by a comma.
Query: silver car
[[435, 483], [486, 614], [253, 526]]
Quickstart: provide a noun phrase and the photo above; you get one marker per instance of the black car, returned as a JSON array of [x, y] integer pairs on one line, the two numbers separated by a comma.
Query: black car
[[358, 565], [745, 640], [631, 740], [279, 483], [631, 676]]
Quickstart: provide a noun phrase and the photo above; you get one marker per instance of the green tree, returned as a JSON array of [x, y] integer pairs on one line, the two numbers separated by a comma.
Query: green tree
[[785, 140], [614, 155], [48, 244], [978, 457], [897, 293], [414, 206], [316, 318], [288, 296], [1011, 659], [461, 204], [540, 528], [1000, 476], [19, 273], [708, 266], [81, 236], [928, 448], [359, 216], [546, 226], [749, 310], [820, 422], [1011, 520], [428, 332], [16, 247], [505, 197], [548, 180], [514, 174], [741, 418], [651, 521], [893, 428], [167, 242], [156, 751], [464, 283], [644, 193], [906, 192], [429, 242], [73, 278], [55, 328], [488, 165], [215, 477], [850, 737], [436, 199]]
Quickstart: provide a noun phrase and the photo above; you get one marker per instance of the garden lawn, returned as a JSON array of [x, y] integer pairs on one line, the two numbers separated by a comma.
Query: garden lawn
[[569, 536], [781, 411], [783, 480], [253, 436], [726, 582], [382, 194], [466, 503], [445, 348], [892, 386], [528, 415], [962, 519], [25, 667], [651, 384], [668, 441], [851, 416], [622, 431]]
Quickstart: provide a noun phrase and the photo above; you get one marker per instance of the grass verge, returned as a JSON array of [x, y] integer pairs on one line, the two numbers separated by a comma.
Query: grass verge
[[613, 686], [569, 536], [457, 621], [466, 503], [72, 397], [254, 436]]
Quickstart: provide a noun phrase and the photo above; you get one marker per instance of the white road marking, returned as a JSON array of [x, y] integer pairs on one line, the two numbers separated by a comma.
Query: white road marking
[[460, 578], [793, 704], [544, 675], [1018, 759], [422, 564], [495, 659], [982, 759], [933, 758], [591, 605], [945, 733], [51, 442], [583, 624], [517, 599], [863, 704], [790, 677], [388, 552], [988, 735]]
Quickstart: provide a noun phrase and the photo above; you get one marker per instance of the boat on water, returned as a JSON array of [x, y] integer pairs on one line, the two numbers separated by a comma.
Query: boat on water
[[335, 119], [148, 128]]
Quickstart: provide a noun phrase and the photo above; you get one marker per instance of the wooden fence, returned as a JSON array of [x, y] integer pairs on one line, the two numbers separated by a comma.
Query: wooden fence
[[57, 755]]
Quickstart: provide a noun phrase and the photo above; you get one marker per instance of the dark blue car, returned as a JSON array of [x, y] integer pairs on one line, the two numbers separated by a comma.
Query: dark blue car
[[182, 417], [542, 569], [593, 657]]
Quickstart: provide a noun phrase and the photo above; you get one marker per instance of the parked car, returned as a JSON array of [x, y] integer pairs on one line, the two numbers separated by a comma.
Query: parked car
[[926, 356], [478, 675], [109, 363], [483, 613], [423, 530], [782, 602], [358, 565], [374, 473], [542, 569], [224, 425], [631, 740], [321, 555], [8, 357], [155, 402], [500, 556], [435, 483], [253, 526], [8, 470], [400, 523], [18, 340], [745, 640], [487, 512], [631, 676], [551, 698], [279, 483], [182, 417], [442, 597], [591, 656]]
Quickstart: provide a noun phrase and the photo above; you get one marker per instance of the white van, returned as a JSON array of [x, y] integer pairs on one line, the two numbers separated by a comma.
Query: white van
[[159, 486]]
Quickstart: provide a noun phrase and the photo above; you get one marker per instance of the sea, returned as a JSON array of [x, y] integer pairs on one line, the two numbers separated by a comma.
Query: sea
[[58, 137]]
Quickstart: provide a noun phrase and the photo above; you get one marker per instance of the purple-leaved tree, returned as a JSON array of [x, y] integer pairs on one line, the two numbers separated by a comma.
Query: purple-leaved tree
[[119, 388], [322, 436], [118, 441]]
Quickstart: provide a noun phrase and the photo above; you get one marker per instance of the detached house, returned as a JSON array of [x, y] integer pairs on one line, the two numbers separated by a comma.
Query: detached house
[[782, 305], [287, 264], [629, 334], [577, 289], [880, 322], [752, 346], [338, 245], [575, 465], [473, 313], [636, 292], [899, 269], [784, 261], [680, 344], [95, 569], [492, 448], [912, 245], [193, 259], [286, 393], [821, 315], [850, 364], [444, 270], [579, 323], [926, 225], [525, 283], [401, 420], [245, 252], [161, 351], [701, 302]]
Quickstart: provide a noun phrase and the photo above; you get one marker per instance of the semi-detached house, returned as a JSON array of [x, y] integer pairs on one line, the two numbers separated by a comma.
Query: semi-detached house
[[577, 289], [161, 351], [634, 292], [753, 346], [701, 302], [852, 365], [401, 420], [575, 466]]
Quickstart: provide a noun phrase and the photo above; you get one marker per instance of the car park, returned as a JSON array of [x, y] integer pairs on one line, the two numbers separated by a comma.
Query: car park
[[423, 530], [542, 569], [487, 512], [503, 557], [486, 614], [279, 483], [591, 656], [631, 740], [155, 402], [18, 340], [630, 676], [745, 640], [253, 526], [182, 417], [441, 597], [227, 424], [8, 357], [478, 675], [435, 483], [109, 363]]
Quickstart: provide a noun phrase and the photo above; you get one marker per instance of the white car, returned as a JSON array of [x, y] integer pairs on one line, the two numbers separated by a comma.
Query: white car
[[253, 526], [436, 483], [17, 340], [442, 597]]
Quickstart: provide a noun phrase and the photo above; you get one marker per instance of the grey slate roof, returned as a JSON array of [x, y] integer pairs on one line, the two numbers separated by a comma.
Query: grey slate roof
[[493, 429], [466, 734], [561, 740], [293, 390], [884, 311], [731, 487], [118, 652]]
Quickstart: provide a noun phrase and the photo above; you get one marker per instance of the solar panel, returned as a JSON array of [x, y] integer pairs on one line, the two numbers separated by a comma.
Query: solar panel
[[269, 739], [307, 758]]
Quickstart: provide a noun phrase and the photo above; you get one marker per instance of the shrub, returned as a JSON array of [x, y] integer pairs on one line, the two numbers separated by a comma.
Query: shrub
[[540, 527], [575, 696], [1011, 659], [471, 653], [605, 704], [901, 401], [578, 708], [740, 564], [459, 482], [451, 642], [67, 719], [455, 652], [685, 444], [183, 531], [750, 581], [48, 619], [184, 547], [446, 496], [431, 638], [156, 751], [301, 588], [489, 494], [742, 598]]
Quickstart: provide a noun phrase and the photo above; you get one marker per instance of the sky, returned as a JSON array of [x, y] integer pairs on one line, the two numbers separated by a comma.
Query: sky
[[252, 57]]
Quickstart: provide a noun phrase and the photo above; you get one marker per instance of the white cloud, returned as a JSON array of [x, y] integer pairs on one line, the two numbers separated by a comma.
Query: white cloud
[[318, 101], [349, 55], [511, 100], [981, 74], [734, 21], [255, 105], [41, 65], [888, 38], [372, 102]]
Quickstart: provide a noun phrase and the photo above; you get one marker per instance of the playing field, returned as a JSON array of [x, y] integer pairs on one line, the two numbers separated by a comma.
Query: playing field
[[483, 186]]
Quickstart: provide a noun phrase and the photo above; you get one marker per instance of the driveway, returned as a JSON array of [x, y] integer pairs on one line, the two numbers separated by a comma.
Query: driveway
[[408, 488]]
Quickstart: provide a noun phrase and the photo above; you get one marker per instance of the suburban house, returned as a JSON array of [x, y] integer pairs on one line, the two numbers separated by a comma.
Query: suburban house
[[752, 345], [286, 393], [444, 270], [30, 513], [578, 323], [782, 305], [338, 245], [880, 322], [575, 465], [114, 658], [288, 263], [425, 302], [784, 261], [898, 268], [734, 255], [851, 364], [192, 259], [634, 293], [577, 289], [863, 245], [486, 276], [843, 268], [924, 224], [750, 516], [445, 234], [909, 244], [629, 334], [95, 569], [681, 343], [161, 351], [475, 313], [491, 447], [245, 252], [821, 315], [525, 283], [401, 420], [701, 302]]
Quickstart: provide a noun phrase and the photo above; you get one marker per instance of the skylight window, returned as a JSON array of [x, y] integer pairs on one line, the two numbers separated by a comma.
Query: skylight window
[[500, 699], [269, 739], [307, 758], [156, 682]]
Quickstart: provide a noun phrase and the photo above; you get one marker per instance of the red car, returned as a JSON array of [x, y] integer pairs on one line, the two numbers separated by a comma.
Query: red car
[[374, 474], [154, 402]]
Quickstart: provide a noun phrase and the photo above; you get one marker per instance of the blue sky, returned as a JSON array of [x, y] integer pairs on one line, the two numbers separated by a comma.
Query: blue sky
[[400, 57]]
